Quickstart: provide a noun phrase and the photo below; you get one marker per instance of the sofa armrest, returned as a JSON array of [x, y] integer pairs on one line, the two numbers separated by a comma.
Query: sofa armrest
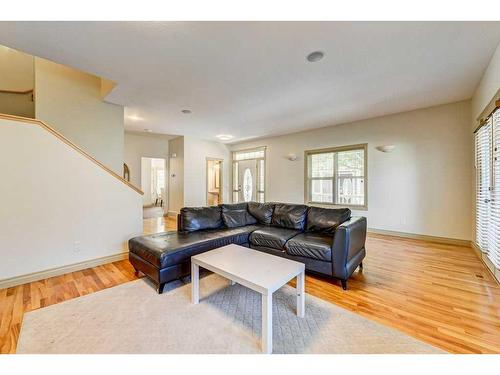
[[348, 243]]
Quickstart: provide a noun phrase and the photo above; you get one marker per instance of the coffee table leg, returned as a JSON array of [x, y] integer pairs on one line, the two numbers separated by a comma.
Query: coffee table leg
[[301, 295], [267, 323], [195, 283]]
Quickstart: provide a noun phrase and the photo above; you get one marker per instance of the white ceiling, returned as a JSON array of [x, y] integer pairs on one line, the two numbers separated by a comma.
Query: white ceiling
[[251, 79]]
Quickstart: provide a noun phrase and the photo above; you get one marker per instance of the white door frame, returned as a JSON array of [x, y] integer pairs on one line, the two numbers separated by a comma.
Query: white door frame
[[233, 181], [221, 179]]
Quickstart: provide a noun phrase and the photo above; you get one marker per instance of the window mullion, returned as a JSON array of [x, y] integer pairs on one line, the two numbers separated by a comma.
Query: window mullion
[[334, 178]]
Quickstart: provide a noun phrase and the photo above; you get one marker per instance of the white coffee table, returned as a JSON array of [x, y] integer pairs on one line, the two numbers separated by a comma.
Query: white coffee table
[[256, 270]]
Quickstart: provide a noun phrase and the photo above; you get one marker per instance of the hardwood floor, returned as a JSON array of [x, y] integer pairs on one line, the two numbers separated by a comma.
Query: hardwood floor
[[15, 301], [440, 294]]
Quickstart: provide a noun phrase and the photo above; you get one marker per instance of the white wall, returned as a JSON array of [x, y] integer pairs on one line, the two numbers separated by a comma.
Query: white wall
[[196, 152], [70, 101], [176, 175], [487, 87], [422, 187], [146, 181], [57, 207], [138, 146]]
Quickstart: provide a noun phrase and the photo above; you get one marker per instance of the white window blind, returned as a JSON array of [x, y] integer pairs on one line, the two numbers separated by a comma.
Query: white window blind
[[494, 222], [487, 163], [483, 182]]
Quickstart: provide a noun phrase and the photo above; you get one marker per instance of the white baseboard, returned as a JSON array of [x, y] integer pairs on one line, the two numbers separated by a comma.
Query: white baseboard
[[414, 236], [444, 240], [487, 263], [23, 279], [477, 250]]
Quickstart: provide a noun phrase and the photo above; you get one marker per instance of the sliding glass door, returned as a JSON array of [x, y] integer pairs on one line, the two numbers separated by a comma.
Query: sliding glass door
[[487, 164]]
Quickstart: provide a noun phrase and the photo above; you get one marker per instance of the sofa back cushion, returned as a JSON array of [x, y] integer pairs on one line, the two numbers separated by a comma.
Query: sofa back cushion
[[326, 220], [291, 216], [263, 212], [198, 218], [236, 215], [234, 206]]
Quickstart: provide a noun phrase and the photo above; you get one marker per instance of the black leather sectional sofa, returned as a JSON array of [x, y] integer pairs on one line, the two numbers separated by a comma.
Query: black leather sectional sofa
[[328, 241]]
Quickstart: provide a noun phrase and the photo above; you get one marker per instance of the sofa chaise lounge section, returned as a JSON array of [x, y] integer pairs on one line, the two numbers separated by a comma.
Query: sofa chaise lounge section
[[329, 242]]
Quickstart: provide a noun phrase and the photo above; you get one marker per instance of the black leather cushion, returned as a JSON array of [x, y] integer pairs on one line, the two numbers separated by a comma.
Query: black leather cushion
[[171, 248], [237, 218], [198, 218], [237, 215], [326, 220], [263, 212], [292, 216], [311, 245], [273, 237], [234, 206]]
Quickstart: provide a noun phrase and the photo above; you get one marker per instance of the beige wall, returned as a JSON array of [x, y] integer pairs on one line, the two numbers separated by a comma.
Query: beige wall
[[17, 104], [422, 187], [196, 152], [16, 74], [57, 207], [146, 181], [189, 186], [176, 175], [16, 70], [70, 101]]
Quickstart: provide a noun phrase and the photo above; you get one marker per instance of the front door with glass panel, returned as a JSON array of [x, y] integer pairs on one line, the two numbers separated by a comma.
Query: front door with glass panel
[[249, 175], [247, 180]]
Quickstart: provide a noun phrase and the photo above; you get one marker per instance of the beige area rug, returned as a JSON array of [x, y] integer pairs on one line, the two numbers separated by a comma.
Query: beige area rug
[[133, 318]]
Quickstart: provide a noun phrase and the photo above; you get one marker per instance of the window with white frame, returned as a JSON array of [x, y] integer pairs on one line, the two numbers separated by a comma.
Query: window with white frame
[[337, 176]]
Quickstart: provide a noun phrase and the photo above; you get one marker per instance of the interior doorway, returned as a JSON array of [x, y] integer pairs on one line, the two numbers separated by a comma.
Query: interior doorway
[[153, 184], [214, 181]]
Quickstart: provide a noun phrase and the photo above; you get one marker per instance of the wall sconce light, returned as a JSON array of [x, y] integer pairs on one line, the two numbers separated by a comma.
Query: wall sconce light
[[292, 157], [386, 148]]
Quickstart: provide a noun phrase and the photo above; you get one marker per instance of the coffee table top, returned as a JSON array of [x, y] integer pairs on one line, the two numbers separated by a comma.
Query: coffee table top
[[259, 271]]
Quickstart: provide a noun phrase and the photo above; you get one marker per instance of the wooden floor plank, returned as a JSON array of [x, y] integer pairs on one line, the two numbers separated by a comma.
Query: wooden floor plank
[[441, 294]]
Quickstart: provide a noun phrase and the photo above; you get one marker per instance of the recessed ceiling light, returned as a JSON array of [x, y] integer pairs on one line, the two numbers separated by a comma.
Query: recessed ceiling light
[[134, 118], [315, 56], [186, 111], [225, 137], [148, 130]]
